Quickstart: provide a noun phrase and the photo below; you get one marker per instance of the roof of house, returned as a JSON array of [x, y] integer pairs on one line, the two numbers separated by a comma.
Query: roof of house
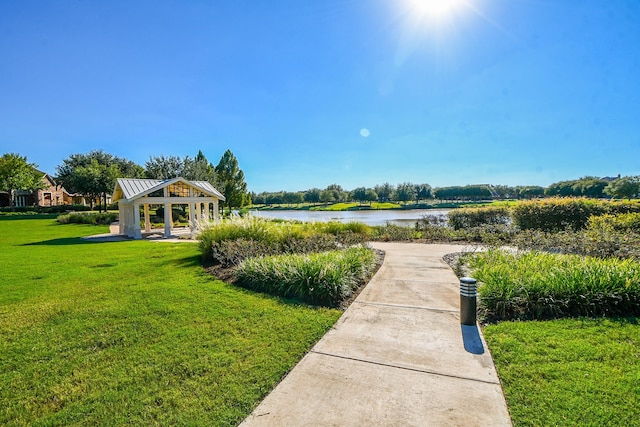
[[133, 188]]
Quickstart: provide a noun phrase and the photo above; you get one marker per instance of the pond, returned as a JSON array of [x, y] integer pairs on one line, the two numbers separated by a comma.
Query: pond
[[406, 218]]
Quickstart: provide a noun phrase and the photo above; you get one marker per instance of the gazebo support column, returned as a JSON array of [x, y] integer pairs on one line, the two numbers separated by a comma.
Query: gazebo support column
[[167, 220], [121, 219], [128, 220], [192, 217], [216, 215], [206, 213], [147, 222], [199, 215], [137, 233]]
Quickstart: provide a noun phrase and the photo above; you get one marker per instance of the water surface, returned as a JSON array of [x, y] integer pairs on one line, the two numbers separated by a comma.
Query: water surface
[[406, 218]]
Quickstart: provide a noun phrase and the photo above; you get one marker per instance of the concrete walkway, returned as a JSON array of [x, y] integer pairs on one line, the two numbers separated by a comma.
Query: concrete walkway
[[398, 356]]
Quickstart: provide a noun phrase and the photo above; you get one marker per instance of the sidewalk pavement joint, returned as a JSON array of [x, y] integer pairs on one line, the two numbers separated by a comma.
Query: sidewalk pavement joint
[[398, 356]]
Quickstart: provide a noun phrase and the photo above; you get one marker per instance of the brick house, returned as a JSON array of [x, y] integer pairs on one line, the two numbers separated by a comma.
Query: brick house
[[52, 194]]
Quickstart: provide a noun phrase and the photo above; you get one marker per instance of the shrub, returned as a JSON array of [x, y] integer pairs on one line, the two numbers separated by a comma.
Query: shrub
[[88, 218], [556, 214], [324, 278], [596, 242], [536, 285], [621, 222], [394, 233], [337, 228], [477, 217]]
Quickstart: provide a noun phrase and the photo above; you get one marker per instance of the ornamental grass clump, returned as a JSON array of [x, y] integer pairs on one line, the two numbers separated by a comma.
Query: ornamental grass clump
[[324, 278], [537, 285], [233, 240]]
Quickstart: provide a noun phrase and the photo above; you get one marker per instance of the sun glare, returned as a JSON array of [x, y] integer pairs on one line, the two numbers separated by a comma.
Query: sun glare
[[435, 9]]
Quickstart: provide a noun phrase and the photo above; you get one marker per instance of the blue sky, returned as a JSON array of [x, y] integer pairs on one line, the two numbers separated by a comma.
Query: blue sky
[[310, 93]]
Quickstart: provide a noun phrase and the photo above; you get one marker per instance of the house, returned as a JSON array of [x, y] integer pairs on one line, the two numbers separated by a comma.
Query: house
[[52, 194], [133, 194]]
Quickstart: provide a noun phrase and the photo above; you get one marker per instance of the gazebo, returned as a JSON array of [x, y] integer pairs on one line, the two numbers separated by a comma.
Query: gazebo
[[131, 194]]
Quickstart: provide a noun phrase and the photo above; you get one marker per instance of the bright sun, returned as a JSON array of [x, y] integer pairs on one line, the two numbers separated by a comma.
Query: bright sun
[[435, 9]]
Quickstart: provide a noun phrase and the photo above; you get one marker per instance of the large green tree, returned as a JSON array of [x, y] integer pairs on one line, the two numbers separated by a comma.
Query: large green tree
[[16, 173], [231, 182], [384, 191], [94, 174], [169, 167], [405, 191], [625, 187]]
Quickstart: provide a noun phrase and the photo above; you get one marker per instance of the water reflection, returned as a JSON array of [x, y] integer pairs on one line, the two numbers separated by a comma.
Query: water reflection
[[406, 218]]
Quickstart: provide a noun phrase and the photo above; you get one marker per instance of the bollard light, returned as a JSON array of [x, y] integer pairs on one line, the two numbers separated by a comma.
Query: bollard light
[[468, 287]]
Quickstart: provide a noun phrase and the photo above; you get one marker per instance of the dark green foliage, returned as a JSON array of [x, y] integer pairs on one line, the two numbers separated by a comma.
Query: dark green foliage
[[625, 187], [555, 214], [476, 217], [467, 192], [231, 182], [178, 214], [16, 173], [94, 174]]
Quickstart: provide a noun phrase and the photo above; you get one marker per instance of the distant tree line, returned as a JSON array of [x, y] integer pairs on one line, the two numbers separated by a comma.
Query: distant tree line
[[94, 174], [593, 187]]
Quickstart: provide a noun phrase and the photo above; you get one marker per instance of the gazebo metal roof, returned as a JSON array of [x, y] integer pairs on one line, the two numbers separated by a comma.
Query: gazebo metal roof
[[133, 188]]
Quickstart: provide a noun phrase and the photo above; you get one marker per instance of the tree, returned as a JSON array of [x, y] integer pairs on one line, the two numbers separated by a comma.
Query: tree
[[405, 192], [370, 196], [337, 193], [199, 169], [161, 167], [359, 194], [293, 198], [16, 173], [423, 191], [327, 196], [312, 195], [529, 192], [231, 181], [94, 174], [384, 192], [196, 169], [625, 187]]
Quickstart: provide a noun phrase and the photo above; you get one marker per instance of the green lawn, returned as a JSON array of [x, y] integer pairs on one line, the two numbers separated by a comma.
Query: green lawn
[[133, 332], [569, 372]]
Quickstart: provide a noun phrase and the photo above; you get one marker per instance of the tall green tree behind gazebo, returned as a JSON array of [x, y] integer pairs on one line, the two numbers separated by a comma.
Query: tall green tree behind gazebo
[[230, 179]]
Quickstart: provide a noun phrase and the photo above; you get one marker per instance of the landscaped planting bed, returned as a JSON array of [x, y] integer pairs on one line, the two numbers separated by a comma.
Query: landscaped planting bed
[[539, 285]]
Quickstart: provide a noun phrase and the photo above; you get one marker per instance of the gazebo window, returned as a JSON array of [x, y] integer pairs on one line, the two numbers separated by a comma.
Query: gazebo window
[[178, 189], [157, 193]]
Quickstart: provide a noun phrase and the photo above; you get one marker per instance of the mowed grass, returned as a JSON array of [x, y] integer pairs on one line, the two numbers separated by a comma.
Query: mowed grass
[[569, 372], [134, 332]]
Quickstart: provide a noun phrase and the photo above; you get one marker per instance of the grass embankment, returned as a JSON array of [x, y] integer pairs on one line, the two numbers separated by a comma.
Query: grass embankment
[[134, 332]]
